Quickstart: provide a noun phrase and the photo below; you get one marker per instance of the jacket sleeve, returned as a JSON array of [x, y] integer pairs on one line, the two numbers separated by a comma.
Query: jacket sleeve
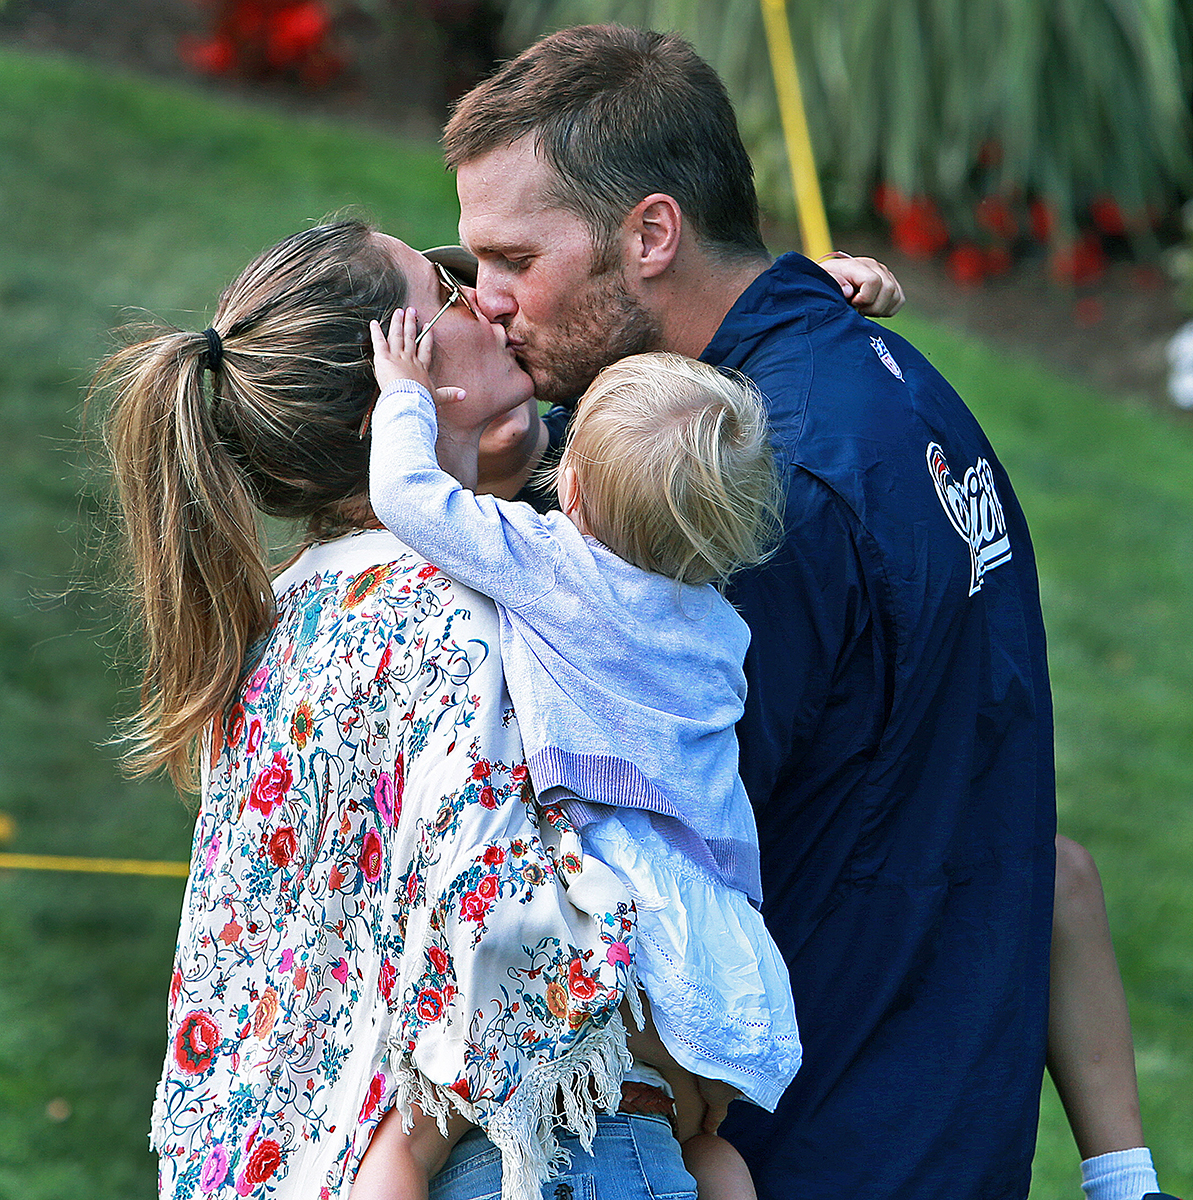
[[501, 548]]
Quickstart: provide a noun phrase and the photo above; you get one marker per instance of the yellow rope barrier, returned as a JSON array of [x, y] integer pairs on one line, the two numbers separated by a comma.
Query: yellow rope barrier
[[812, 221], [101, 866]]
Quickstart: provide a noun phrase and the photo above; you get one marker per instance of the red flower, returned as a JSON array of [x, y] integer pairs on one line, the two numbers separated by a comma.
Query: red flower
[[389, 977], [427, 571], [967, 265], [1108, 217], [520, 774], [472, 907], [438, 959], [264, 1160], [487, 798], [481, 770], [1042, 220], [487, 888], [214, 57], [295, 33], [175, 987], [283, 845], [1082, 262], [370, 856], [920, 230], [580, 985], [494, 856], [235, 729], [373, 1097], [461, 1088], [429, 1005], [271, 785], [196, 1042]]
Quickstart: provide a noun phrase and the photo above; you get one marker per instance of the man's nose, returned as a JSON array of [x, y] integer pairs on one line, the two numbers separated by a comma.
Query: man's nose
[[495, 301]]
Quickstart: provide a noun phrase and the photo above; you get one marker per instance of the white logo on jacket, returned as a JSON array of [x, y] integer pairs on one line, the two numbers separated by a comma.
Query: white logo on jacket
[[975, 512], [888, 359]]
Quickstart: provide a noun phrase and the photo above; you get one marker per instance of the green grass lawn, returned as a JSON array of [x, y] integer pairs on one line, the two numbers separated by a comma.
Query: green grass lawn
[[117, 195]]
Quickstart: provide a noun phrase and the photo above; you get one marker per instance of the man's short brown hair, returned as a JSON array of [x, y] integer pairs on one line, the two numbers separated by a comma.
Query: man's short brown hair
[[620, 113]]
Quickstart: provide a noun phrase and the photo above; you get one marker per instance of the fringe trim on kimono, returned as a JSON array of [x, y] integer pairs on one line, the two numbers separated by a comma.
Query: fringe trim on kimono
[[562, 1096]]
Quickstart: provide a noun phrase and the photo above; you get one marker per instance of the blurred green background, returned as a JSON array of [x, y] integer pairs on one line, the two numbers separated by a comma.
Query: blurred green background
[[119, 195]]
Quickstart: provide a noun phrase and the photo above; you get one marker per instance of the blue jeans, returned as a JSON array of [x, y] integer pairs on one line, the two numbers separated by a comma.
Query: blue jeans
[[633, 1158]]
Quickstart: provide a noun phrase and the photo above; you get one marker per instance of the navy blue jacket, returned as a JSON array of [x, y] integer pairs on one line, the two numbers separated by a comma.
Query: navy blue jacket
[[897, 748]]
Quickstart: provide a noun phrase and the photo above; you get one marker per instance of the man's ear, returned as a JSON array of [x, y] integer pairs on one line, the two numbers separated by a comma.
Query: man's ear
[[653, 230]]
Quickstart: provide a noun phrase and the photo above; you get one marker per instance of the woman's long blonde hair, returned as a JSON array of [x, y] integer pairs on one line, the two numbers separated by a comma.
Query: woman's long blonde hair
[[204, 432]]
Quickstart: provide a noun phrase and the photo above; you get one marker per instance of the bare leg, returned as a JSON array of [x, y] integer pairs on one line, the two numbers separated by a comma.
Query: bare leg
[[399, 1165], [1091, 1057], [720, 1172]]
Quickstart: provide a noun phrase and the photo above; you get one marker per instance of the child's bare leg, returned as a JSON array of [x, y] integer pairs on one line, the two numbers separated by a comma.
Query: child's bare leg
[[1091, 1056], [399, 1165], [720, 1172]]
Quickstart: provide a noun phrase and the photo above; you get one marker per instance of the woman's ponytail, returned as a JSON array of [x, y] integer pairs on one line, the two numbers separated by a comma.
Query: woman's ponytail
[[197, 575], [205, 430]]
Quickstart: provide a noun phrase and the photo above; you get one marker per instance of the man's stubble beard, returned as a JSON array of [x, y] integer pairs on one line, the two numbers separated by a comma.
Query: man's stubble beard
[[606, 325]]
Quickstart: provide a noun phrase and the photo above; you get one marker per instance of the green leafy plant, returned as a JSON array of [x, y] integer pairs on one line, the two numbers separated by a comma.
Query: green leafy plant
[[1073, 107]]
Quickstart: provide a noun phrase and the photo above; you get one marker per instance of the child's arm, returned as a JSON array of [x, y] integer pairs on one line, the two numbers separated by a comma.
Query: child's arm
[[505, 550], [398, 1165], [397, 357]]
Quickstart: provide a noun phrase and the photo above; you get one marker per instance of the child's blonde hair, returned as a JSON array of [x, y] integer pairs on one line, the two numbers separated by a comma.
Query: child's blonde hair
[[674, 467]]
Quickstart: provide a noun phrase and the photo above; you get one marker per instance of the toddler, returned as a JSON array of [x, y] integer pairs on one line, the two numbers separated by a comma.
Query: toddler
[[624, 664]]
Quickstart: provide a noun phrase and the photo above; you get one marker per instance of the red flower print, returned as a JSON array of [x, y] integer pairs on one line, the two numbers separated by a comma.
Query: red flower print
[[580, 985], [429, 1005], [487, 799], [487, 888], [481, 770], [438, 959], [271, 785], [494, 856], [427, 571], [373, 1098], [302, 724], [412, 887], [520, 774], [175, 987], [283, 845], [461, 1088], [388, 978], [263, 1162], [255, 733], [472, 907], [196, 1042], [235, 727], [370, 856]]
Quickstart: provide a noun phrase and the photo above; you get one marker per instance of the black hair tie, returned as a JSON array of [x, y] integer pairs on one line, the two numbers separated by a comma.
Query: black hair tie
[[214, 356]]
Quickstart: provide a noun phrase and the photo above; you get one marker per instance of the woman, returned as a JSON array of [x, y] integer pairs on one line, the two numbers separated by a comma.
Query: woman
[[372, 918]]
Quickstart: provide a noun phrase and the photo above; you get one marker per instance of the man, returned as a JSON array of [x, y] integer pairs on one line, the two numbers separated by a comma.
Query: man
[[897, 742]]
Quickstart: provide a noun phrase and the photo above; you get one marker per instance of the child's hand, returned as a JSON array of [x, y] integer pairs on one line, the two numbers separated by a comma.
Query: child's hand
[[397, 357]]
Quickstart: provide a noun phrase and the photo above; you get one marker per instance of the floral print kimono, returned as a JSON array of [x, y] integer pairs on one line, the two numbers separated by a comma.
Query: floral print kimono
[[374, 915]]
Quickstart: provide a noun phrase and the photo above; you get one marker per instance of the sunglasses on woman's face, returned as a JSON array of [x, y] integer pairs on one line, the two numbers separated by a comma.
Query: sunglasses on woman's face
[[455, 291]]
